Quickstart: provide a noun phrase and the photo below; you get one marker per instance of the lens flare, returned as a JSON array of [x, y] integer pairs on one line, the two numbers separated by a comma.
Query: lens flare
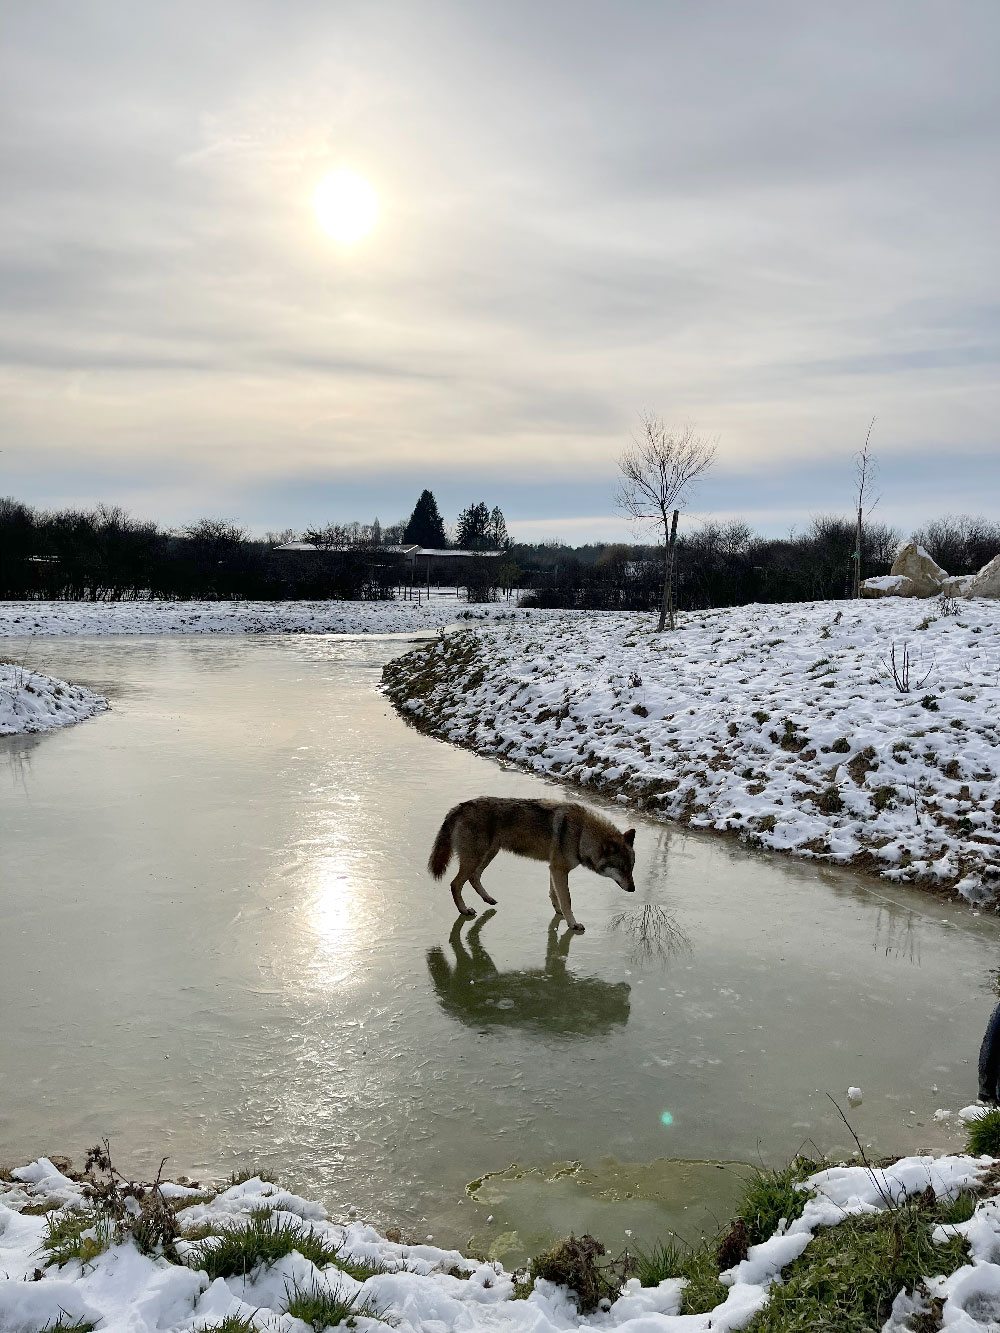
[[666, 1118]]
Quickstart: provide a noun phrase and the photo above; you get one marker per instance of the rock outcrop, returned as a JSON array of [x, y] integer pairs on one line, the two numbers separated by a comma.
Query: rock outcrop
[[915, 574], [889, 585], [987, 582], [915, 564], [957, 585]]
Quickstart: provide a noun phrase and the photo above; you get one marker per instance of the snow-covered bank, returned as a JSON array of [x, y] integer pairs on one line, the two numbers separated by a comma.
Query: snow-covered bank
[[23, 619], [33, 702], [419, 1288], [782, 723]]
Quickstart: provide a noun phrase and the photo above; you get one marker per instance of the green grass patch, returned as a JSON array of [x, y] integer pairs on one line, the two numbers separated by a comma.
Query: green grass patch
[[250, 1173], [983, 1135], [664, 1260], [233, 1323], [698, 1264], [952, 1212], [321, 1308], [772, 1195], [259, 1241], [850, 1274], [66, 1324], [65, 1239], [183, 1201]]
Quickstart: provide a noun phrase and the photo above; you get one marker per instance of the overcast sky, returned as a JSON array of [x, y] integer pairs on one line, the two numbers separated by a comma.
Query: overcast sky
[[773, 221]]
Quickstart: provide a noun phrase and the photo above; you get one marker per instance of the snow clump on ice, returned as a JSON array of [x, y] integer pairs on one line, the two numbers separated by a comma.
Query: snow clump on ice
[[30, 701]]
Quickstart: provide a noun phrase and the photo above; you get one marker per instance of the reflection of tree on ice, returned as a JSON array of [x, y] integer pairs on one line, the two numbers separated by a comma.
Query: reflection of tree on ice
[[549, 998], [654, 930]]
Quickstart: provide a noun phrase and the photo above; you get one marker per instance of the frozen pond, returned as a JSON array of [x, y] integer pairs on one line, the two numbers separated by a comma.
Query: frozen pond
[[220, 943]]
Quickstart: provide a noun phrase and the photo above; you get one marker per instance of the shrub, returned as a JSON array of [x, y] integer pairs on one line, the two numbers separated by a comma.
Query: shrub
[[883, 797], [134, 1210], [573, 1263], [830, 801], [841, 745]]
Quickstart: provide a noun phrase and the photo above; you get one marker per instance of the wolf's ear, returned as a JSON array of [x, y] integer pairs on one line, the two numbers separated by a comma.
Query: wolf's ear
[[629, 836]]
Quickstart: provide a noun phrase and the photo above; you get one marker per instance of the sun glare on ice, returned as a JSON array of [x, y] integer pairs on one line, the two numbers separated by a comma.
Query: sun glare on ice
[[346, 206]]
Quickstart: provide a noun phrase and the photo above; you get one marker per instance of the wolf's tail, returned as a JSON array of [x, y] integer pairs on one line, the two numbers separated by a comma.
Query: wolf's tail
[[441, 851]]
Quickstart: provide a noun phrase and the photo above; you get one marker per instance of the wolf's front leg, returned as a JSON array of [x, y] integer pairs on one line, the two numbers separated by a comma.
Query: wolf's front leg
[[560, 882]]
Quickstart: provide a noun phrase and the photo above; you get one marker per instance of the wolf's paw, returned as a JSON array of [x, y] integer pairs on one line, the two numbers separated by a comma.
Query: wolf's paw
[[578, 926], [467, 911], [492, 901]]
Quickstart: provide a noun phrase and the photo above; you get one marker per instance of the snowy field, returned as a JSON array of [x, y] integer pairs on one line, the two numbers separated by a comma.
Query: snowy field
[[781, 723], [423, 1289], [25, 619], [30, 701]]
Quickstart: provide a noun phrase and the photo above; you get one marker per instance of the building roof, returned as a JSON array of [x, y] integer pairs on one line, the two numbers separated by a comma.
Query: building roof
[[394, 550]]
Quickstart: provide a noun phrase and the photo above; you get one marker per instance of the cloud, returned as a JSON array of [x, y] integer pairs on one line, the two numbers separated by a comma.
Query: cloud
[[775, 226]]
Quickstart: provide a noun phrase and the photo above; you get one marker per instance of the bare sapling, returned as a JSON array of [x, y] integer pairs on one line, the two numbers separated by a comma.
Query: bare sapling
[[901, 668], [865, 469], [657, 470]]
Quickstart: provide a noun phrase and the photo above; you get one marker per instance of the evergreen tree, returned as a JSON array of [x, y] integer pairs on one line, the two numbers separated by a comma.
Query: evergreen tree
[[425, 527], [474, 527], [376, 533], [498, 530]]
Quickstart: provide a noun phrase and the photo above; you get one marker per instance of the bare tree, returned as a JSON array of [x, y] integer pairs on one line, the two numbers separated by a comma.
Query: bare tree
[[865, 468], [657, 469]]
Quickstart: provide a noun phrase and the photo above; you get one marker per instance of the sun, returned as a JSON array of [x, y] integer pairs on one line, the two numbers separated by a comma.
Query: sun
[[346, 206]]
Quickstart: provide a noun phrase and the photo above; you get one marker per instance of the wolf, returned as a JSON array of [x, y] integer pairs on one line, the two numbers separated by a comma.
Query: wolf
[[560, 832]]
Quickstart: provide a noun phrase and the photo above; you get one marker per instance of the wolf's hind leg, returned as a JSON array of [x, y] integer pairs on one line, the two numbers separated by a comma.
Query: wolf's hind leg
[[553, 896], [560, 882], [477, 883], [464, 873]]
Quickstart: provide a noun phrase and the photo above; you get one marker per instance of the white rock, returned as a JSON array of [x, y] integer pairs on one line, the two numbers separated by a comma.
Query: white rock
[[854, 1096], [957, 585], [987, 582], [889, 585], [915, 564]]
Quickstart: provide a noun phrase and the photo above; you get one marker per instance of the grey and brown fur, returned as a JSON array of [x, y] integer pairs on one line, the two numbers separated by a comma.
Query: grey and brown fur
[[560, 832]]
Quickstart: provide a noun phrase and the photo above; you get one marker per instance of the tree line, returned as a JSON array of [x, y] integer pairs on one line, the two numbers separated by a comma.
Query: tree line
[[106, 554], [727, 564]]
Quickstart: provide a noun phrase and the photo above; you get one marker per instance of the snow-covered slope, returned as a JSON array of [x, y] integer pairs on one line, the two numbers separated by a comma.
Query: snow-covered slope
[[426, 1289], [21, 619], [33, 702], [782, 723]]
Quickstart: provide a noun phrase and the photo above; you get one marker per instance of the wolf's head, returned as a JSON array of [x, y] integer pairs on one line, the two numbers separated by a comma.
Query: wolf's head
[[617, 859]]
